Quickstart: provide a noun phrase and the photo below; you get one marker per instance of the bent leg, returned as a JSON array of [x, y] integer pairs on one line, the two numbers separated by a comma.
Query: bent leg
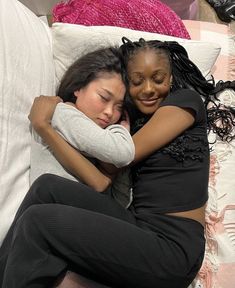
[[50, 188], [54, 189], [49, 239]]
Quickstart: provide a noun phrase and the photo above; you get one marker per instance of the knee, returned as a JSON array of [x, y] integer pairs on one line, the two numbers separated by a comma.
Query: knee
[[29, 220], [44, 180], [42, 187]]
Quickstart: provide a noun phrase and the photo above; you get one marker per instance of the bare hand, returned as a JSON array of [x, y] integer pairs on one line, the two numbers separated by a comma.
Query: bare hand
[[125, 121], [42, 110]]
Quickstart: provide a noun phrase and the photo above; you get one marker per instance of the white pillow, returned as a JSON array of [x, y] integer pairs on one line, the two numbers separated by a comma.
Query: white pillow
[[70, 41], [26, 71]]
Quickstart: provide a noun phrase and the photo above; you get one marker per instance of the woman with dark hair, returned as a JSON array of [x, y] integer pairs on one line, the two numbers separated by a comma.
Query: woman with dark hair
[[159, 240], [89, 115], [92, 90]]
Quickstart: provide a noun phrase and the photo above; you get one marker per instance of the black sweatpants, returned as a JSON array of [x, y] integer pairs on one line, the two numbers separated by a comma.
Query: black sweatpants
[[63, 224]]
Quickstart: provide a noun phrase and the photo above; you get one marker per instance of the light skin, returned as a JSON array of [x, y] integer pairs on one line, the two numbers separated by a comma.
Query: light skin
[[150, 80], [101, 100]]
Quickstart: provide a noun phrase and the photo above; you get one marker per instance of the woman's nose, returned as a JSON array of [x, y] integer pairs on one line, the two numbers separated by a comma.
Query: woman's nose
[[109, 110], [148, 87]]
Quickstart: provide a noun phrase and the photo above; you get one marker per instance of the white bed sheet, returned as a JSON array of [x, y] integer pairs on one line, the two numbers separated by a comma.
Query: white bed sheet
[[26, 71]]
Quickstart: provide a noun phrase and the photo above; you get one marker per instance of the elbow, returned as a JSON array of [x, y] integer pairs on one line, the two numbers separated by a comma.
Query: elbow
[[101, 186], [124, 159]]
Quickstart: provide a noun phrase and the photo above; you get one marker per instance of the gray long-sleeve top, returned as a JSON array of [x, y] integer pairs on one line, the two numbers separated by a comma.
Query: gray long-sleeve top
[[112, 145]]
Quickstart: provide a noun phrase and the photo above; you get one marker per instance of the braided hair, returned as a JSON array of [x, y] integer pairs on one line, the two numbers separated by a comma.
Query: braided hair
[[186, 74]]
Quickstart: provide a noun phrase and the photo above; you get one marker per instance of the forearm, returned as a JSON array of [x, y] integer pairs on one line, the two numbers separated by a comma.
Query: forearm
[[72, 160], [111, 145], [168, 122], [109, 169]]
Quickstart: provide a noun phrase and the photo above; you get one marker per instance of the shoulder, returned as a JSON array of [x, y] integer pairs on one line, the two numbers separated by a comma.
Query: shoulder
[[69, 116], [65, 109], [185, 98], [182, 96]]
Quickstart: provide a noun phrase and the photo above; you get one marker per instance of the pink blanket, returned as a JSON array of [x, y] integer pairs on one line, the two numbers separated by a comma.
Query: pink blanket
[[144, 15]]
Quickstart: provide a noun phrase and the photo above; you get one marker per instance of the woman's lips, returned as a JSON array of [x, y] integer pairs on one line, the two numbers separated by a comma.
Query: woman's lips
[[103, 122], [148, 102]]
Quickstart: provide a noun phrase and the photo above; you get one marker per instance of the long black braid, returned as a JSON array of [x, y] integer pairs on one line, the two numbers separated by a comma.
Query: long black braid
[[187, 75]]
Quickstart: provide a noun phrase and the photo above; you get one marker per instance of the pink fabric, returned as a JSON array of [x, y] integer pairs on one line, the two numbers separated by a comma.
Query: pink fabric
[[143, 15], [224, 68]]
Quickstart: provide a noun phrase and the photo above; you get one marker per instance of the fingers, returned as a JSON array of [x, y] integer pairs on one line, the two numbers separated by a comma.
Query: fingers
[[48, 98], [43, 107]]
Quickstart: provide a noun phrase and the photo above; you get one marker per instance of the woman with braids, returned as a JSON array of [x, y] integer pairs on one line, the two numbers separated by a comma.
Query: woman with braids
[[159, 240]]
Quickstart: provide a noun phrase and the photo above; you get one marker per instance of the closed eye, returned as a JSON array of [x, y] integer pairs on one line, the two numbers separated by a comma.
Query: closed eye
[[119, 107], [136, 82], [159, 77], [104, 98], [158, 81]]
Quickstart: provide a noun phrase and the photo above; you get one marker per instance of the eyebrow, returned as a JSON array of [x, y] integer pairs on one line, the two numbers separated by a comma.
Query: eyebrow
[[108, 92], [154, 72], [160, 71]]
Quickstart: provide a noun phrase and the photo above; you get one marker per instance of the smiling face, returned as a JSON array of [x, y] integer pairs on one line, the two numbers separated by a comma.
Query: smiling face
[[102, 99], [150, 78]]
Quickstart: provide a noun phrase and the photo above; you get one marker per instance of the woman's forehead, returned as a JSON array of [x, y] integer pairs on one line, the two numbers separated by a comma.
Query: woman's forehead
[[147, 52], [148, 58]]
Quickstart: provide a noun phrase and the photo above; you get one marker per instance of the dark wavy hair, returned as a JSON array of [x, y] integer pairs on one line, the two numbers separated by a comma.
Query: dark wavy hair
[[88, 68], [187, 75]]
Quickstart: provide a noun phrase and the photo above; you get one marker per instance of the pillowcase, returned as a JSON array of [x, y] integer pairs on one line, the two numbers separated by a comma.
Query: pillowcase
[[224, 68], [26, 71], [70, 41]]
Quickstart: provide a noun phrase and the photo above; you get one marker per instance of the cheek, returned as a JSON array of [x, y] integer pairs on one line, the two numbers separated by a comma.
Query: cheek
[[165, 90], [167, 85], [133, 92], [116, 116], [95, 105], [90, 109]]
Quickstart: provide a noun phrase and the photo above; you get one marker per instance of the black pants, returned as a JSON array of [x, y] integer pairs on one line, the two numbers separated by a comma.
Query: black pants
[[62, 225]]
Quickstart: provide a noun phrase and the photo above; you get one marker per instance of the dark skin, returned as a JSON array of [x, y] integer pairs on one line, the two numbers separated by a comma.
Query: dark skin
[[150, 80]]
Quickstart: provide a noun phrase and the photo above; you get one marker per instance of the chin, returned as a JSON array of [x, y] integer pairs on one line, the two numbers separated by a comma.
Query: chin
[[147, 110]]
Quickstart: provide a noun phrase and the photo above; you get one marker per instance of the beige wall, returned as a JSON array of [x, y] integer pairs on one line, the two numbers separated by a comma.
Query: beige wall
[[40, 7]]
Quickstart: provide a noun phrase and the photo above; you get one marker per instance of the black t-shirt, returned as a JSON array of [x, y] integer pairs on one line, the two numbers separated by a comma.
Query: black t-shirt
[[175, 178]]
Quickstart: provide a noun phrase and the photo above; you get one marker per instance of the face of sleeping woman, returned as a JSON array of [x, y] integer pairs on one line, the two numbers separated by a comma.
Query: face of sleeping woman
[[102, 99], [149, 79]]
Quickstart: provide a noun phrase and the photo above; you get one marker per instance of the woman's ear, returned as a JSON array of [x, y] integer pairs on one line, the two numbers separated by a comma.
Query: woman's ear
[[171, 82], [76, 93]]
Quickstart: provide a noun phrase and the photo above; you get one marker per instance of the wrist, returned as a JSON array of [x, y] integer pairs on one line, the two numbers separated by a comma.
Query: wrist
[[41, 127]]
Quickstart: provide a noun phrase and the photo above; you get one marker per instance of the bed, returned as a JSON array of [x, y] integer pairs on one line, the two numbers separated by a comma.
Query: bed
[[33, 57]]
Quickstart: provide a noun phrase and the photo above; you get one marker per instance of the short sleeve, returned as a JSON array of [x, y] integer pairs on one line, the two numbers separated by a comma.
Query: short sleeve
[[186, 98]]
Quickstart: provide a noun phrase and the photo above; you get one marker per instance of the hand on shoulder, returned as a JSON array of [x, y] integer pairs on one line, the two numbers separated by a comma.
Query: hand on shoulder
[[42, 111]]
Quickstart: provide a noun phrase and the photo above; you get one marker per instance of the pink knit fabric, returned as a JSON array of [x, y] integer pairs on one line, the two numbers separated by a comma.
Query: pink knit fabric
[[143, 15]]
